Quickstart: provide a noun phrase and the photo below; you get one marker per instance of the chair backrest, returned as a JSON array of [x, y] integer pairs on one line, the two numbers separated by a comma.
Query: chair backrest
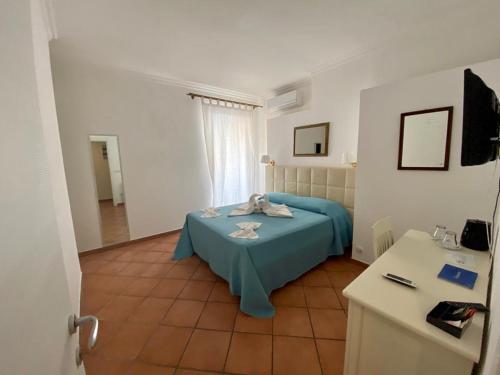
[[383, 238]]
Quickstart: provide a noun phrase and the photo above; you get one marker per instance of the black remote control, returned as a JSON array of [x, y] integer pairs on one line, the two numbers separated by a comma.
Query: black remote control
[[400, 280]]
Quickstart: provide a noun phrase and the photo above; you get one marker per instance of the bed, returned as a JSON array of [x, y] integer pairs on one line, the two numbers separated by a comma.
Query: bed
[[286, 247]]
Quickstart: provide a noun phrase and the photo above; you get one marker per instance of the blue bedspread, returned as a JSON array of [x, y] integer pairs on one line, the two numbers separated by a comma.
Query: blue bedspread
[[286, 248]]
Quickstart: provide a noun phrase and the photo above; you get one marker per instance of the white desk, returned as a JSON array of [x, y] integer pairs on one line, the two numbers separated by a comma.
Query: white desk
[[387, 333]]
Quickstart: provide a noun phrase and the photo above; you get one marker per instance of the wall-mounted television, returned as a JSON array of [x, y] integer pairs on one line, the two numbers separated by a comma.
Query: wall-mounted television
[[481, 122]]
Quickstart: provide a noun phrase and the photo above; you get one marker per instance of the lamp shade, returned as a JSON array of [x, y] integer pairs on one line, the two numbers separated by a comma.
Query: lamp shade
[[266, 159]]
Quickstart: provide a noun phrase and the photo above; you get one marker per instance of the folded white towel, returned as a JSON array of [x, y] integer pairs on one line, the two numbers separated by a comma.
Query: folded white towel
[[276, 210], [247, 230], [210, 212], [260, 203], [247, 208], [249, 225], [245, 233]]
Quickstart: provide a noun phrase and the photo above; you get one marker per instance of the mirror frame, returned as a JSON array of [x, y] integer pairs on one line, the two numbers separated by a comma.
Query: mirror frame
[[448, 139], [96, 196], [327, 136]]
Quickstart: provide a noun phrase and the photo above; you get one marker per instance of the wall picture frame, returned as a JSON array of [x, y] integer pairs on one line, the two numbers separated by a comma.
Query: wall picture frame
[[311, 140], [425, 139]]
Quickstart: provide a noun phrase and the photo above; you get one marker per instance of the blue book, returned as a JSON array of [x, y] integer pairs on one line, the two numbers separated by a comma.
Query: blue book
[[458, 275]]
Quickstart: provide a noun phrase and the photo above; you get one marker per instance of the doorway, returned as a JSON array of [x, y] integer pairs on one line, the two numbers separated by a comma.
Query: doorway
[[110, 193]]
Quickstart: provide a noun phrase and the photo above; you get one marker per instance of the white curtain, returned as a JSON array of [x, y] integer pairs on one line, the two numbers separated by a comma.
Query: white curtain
[[230, 138]]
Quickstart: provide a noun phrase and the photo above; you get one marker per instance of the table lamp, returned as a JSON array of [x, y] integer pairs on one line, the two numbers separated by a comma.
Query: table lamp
[[266, 159]]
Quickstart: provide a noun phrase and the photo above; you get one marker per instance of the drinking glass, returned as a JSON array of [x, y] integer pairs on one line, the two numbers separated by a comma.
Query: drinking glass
[[450, 240], [439, 233]]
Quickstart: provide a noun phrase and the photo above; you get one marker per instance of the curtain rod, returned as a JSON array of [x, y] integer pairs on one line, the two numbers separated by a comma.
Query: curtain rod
[[193, 95]]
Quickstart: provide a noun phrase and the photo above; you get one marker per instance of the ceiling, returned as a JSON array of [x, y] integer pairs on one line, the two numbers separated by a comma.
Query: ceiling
[[250, 46]]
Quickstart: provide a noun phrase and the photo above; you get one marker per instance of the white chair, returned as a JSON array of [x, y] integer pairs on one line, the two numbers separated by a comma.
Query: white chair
[[383, 238]]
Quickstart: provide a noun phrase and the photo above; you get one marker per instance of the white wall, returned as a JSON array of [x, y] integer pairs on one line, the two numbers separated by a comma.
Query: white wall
[[417, 199], [335, 92], [39, 270], [164, 166]]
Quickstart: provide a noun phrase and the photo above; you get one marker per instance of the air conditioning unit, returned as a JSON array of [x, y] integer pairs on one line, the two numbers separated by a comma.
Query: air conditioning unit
[[284, 101]]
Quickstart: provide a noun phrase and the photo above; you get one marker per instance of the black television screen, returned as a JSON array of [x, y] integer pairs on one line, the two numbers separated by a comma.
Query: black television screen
[[481, 121]]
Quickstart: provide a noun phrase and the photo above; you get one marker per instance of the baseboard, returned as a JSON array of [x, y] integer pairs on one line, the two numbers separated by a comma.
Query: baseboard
[[358, 263], [125, 243], [348, 257], [111, 200]]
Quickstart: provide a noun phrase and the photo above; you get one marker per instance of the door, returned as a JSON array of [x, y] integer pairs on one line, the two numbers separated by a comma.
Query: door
[[39, 272]]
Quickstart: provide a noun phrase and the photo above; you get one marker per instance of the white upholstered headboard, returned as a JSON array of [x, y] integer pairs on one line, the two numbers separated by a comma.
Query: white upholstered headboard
[[334, 183]]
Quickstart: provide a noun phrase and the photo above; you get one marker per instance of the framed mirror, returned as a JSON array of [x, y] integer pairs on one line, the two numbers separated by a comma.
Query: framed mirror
[[311, 140], [109, 188], [424, 139]]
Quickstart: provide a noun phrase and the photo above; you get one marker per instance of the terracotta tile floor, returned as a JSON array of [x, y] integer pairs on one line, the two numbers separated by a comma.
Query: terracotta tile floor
[[114, 225], [160, 317]]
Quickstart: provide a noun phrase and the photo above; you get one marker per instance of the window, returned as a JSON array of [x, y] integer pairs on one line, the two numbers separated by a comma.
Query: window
[[230, 136]]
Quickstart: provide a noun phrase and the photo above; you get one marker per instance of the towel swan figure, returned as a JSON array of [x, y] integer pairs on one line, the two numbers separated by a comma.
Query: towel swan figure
[[247, 208], [260, 203], [277, 210]]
